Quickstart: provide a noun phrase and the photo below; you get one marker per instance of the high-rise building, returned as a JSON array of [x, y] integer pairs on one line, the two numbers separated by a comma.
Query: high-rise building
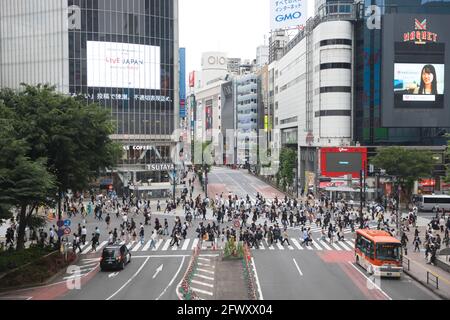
[[121, 54], [262, 56]]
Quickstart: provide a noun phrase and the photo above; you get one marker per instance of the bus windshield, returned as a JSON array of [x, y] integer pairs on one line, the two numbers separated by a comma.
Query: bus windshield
[[388, 251]]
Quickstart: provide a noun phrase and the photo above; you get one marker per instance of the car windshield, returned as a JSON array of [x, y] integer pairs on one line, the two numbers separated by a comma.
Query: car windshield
[[388, 251], [108, 253]]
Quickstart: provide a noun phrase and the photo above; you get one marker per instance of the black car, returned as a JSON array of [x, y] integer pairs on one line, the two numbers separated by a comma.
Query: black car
[[115, 257]]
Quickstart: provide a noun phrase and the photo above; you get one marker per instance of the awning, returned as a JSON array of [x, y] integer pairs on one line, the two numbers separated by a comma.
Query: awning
[[331, 184]]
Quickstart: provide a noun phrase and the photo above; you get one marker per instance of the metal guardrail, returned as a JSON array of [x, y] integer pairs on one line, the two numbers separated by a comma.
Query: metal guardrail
[[406, 263], [433, 279]]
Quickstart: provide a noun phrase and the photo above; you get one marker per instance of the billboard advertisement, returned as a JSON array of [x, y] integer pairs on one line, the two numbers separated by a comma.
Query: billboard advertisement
[[192, 79], [123, 65], [182, 56], [414, 76], [284, 14], [338, 162]]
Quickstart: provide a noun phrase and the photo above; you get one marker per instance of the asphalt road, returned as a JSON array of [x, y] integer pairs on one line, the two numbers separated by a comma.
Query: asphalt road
[[293, 273]]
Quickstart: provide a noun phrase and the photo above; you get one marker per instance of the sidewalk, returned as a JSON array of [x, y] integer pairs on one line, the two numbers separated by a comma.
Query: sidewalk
[[416, 266]]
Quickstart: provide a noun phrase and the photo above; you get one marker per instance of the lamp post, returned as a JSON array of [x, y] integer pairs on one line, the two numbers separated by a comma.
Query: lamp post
[[174, 182]]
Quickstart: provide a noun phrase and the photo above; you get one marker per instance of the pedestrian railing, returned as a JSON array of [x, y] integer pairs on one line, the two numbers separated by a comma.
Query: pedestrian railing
[[249, 275], [433, 279], [185, 288], [406, 264]]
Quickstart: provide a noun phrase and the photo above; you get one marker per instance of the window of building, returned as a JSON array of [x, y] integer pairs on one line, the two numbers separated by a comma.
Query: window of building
[[330, 42], [335, 65]]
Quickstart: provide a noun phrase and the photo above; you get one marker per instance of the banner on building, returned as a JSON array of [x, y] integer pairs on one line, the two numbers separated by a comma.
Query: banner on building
[[287, 13], [182, 56], [192, 79]]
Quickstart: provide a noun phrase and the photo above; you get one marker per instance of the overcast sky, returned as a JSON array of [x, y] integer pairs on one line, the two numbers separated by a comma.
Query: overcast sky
[[236, 27]]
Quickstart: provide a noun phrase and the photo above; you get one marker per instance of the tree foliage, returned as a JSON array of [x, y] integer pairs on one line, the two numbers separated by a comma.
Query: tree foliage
[[406, 165], [288, 164], [50, 143]]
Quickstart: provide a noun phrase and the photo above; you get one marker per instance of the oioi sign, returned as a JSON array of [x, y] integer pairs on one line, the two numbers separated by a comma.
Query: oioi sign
[[285, 14]]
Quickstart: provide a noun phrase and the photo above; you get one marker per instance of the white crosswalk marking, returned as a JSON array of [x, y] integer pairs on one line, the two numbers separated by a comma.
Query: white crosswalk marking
[[166, 245], [122, 243], [129, 245], [295, 242], [270, 247], [350, 243], [336, 246], [146, 246], [280, 246], [160, 241], [175, 247], [324, 244], [342, 244], [309, 246], [317, 246], [136, 247], [88, 248], [185, 244], [104, 243], [194, 243], [290, 247]]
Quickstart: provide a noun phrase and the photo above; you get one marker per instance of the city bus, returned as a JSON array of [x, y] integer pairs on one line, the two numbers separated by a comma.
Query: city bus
[[379, 253], [428, 202]]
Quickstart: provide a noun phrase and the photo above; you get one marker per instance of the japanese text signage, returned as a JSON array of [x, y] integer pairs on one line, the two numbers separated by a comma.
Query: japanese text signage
[[287, 13]]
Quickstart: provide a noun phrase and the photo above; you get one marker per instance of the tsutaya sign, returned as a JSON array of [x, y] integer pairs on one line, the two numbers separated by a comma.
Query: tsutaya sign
[[420, 35], [160, 167]]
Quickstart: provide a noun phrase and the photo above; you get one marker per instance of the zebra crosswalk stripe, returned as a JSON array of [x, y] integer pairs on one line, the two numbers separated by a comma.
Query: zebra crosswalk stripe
[[104, 243], [194, 243], [336, 246], [146, 246], [350, 243], [160, 241], [344, 246], [86, 248], [270, 247], [261, 246], [324, 244], [129, 245], [136, 247], [185, 244], [166, 245], [280, 246], [316, 245], [290, 247], [295, 242]]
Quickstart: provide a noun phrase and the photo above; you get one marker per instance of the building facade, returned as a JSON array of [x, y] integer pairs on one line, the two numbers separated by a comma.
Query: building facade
[[120, 54]]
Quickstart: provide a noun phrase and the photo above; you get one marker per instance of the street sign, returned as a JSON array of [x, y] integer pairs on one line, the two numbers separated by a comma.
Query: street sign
[[67, 223], [237, 224], [60, 223], [60, 232], [67, 231]]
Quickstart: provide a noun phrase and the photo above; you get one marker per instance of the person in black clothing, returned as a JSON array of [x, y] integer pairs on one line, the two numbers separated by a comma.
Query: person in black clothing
[[404, 242]]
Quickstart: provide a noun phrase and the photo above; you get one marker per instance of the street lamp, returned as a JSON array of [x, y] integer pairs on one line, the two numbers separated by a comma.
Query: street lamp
[[174, 182]]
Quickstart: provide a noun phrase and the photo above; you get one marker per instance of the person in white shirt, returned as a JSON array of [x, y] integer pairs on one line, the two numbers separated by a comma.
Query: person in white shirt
[[153, 239], [83, 235]]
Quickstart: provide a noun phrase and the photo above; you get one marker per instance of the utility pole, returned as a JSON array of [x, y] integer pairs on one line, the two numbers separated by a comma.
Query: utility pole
[[174, 182]]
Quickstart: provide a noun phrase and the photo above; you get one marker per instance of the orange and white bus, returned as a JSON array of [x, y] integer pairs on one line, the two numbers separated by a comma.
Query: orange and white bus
[[379, 253]]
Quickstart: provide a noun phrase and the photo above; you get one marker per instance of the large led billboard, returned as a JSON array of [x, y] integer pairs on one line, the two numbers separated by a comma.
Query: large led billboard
[[123, 65], [414, 77], [338, 162]]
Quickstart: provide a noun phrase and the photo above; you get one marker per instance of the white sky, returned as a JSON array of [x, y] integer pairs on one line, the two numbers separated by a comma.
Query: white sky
[[236, 27]]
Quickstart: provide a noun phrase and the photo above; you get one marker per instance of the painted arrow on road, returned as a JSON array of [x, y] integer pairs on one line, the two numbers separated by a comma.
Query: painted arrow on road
[[112, 275], [158, 271]]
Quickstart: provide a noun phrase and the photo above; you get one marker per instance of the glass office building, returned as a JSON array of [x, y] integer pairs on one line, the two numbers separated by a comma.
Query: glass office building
[[122, 54]]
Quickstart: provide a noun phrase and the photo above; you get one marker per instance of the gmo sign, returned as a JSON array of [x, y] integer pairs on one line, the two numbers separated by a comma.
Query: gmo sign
[[290, 16]]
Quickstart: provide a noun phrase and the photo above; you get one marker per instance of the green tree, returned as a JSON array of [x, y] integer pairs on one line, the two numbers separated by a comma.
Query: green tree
[[24, 183], [286, 174], [407, 165], [72, 135]]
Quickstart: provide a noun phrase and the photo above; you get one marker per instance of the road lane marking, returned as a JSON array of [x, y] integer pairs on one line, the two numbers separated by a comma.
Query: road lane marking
[[166, 245], [280, 246], [129, 280], [336, 246], [368, 279], [316, 245], [136, 247], [257, 280], [203, 283], [204, 277], [298, 268], [270, 247], [175, 247], [202, 291], [104, 243], [295, 242], [290, 247], [185, 244], [207, 271], [261, 246], [173, 279], [204, 259], [344, 246], [205, 265], [130, 245], [158, 270], [147, 245], [160, 241], [113, 275], [194, 243], [121, 243], [324, 244], [351, 244], [85, 251]]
